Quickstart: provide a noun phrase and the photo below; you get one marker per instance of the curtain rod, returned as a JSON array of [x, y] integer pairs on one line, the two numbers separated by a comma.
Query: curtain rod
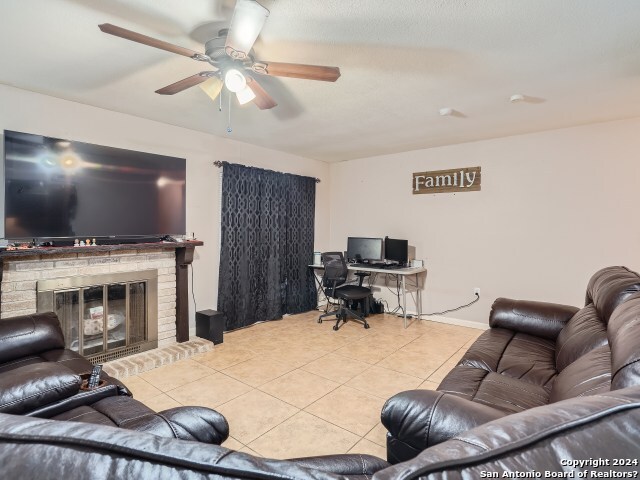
[[218, 163]]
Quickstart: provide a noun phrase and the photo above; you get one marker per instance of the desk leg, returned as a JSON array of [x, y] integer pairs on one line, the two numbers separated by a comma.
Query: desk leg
[[320, 291], [404, 300], [419, 296]]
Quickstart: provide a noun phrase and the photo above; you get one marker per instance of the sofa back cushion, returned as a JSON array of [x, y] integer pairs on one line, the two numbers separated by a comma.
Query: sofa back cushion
[[624, 337], [29, 335], [584, 332], [609, 287], [588, 375]]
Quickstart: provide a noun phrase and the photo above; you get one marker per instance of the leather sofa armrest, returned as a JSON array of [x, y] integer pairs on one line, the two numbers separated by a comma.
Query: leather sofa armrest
[[84, 397], [418, 419], [187, 423], [31, 386], [200, 423], [534, 318], [349, 464]]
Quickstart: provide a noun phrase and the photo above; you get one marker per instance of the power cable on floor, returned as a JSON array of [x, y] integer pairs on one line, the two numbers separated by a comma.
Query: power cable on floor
[[453, 309]]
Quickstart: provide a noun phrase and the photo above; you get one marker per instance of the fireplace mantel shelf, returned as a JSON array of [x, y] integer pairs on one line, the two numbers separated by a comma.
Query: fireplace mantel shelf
[[184, 257], [27, 252]]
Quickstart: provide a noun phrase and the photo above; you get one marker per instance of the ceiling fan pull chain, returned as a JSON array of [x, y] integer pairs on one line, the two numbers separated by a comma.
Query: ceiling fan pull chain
[[220, 101], [229, 129]]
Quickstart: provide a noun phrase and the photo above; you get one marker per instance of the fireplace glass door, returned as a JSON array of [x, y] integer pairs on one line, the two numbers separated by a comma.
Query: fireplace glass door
[[103, 324], [104, 317]]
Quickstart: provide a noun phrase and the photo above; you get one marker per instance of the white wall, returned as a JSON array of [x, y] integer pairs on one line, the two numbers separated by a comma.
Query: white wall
[[554, 207], [30, 112]]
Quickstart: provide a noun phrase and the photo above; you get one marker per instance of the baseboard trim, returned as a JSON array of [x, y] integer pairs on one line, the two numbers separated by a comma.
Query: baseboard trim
[[452, 321]]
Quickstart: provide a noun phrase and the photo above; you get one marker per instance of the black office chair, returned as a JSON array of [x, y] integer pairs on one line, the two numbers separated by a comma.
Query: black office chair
[[335, 274]]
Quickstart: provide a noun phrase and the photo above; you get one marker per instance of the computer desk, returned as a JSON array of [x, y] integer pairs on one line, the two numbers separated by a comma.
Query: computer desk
[[403, 273]]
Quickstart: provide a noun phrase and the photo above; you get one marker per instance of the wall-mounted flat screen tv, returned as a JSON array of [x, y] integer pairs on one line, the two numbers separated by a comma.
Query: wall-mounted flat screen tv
[[56, 188]]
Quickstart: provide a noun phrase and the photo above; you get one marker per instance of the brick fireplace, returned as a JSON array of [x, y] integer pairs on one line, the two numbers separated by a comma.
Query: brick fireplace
[[23, 270]]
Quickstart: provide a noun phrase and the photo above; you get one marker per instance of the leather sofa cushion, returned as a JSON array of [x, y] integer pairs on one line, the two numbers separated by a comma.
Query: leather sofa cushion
[[463, 381], [32, 386], [485, 353], [589, 375], [584, 332], [609, 287], [510, 395], [624, 338], [28, 335], [501, 392], [516, 355]]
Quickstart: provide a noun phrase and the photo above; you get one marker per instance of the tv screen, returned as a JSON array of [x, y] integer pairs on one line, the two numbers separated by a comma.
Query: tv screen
[[56, 188], [361, 248]]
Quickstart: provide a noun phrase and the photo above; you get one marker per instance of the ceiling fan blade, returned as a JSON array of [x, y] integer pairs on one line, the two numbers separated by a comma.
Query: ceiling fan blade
[[152, 42], [263, 100], [297, 70], [212, 87], [185, 83], [247, 21]]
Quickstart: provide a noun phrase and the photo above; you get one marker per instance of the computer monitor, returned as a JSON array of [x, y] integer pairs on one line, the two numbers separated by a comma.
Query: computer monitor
[[364, 249], [396, 250]]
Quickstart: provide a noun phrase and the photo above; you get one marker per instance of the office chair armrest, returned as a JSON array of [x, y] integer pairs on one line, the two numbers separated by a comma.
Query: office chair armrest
[[332, 289], [361, 276]]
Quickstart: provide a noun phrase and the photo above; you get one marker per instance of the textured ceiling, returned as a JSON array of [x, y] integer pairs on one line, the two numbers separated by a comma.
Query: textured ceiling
[[576, 61]]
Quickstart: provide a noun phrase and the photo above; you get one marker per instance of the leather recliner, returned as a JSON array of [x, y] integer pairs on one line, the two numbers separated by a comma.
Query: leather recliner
[[40, 378], [534, 354]]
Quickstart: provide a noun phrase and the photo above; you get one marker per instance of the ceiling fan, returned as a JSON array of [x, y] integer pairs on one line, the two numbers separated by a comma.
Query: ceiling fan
[[231, 60]]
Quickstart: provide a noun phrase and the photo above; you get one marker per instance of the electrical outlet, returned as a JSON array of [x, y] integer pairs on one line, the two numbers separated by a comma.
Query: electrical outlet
[[476, 291]]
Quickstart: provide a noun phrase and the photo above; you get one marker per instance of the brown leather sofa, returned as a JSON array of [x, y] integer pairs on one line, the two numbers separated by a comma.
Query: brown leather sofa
[[40, 378], [597, 434], [534, 354]]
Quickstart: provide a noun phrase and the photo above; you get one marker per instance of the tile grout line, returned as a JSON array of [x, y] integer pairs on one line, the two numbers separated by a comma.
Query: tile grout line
[[327, 350]]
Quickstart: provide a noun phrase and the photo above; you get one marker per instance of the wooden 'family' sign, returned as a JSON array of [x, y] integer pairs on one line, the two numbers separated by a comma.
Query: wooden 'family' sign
[[444, 181]]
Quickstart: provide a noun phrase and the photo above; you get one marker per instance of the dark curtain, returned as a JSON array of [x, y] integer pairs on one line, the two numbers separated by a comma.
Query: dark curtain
[[301, 207], [266, 244]]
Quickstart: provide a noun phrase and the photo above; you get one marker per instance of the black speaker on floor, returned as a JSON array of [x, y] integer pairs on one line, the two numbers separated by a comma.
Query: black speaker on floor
[[210, 325]]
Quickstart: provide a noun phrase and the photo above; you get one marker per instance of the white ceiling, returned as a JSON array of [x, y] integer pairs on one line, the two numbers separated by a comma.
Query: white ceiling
[[577, 62]]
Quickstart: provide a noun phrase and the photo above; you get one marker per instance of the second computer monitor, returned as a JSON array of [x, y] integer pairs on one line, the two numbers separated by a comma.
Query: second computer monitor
[[396, 250], [364, 249]]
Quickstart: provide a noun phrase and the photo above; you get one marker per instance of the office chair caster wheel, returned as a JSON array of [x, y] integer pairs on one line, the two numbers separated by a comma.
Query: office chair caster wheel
[[335, 327], [319, 320], [366, 325]]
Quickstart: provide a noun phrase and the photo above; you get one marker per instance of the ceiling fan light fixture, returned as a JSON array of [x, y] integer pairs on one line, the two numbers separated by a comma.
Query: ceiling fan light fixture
[[247, 21], [234, 80], [245, 95], [212, 87]]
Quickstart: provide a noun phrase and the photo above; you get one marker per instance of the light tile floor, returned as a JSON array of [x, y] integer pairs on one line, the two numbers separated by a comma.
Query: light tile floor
[[293, 387]]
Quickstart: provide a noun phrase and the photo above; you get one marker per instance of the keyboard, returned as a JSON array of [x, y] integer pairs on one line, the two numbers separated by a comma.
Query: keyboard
[[384, 266]]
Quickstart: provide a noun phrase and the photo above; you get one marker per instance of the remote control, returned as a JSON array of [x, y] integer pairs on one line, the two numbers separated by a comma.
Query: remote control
[[94, 379]]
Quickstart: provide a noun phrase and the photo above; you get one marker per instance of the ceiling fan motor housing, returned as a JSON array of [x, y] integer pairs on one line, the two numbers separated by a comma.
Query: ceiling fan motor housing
[[214, 48]]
